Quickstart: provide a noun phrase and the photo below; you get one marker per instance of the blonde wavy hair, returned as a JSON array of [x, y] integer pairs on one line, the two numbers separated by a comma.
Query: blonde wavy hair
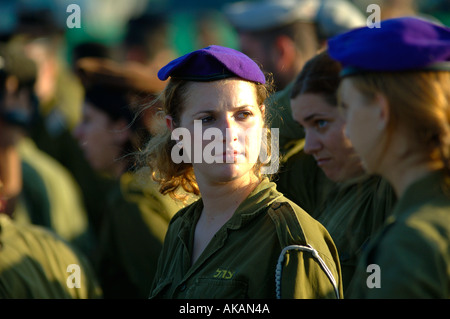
[[157, 153]]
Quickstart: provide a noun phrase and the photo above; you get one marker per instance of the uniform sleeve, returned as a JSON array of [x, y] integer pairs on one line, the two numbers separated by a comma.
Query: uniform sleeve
[[168, 249], [308, 266], [307, 274]]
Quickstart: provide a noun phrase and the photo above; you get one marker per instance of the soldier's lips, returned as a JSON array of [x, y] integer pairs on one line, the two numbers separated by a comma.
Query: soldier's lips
[[230, 156], [323, 161]]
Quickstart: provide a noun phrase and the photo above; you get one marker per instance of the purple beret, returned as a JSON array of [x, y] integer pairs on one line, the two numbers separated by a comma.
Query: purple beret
[[399, 44], [212, 63]]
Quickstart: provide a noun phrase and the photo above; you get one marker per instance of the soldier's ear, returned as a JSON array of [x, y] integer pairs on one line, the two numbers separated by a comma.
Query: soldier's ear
[[285, 52], [170, 123], [262, 108], [382, 104]]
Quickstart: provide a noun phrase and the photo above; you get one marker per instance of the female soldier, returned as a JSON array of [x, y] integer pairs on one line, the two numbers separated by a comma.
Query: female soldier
[[137, 215], [396, 95], [327, 177], [242, 238]]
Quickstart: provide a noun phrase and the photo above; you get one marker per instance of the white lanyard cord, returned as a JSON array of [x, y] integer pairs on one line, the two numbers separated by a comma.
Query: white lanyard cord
[[315, 254]]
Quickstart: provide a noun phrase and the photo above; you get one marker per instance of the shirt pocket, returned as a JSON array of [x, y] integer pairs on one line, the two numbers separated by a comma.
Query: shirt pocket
[[212, 288]]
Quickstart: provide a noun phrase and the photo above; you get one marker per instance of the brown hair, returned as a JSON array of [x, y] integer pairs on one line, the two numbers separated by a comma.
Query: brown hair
[[320, 75], [157, 154], [419, 100]]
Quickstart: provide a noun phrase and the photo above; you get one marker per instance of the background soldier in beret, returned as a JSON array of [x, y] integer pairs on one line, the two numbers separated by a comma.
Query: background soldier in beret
[[396, 98]]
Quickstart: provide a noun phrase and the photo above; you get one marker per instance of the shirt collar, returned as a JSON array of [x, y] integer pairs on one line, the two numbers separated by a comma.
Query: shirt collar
[[263, 195]]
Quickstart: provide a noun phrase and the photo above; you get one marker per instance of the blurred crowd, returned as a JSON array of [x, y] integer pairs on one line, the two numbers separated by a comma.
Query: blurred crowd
[[78, 104]]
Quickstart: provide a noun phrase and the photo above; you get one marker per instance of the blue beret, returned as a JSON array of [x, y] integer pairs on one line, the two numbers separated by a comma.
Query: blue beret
[[399, 44], [212, 63]]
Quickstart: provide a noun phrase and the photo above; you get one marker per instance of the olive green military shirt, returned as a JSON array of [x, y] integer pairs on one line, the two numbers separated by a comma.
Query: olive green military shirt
[[34, 201], [410, 256], [241, 259], [302, 181], [66, 214], [132, 236], [352, 211], [36, 263]]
